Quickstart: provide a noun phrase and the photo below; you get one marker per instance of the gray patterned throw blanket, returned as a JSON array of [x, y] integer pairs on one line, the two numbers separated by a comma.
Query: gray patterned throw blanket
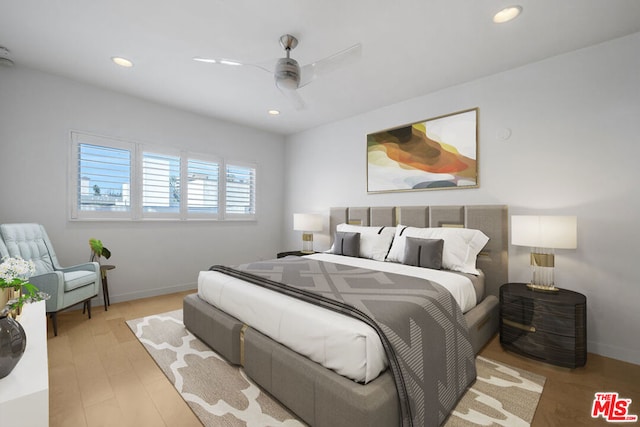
[[421, 327]]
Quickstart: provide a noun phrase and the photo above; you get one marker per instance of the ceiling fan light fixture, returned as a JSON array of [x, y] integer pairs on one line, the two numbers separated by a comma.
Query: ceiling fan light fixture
[[507, 14], [287, 74], [287, 83]]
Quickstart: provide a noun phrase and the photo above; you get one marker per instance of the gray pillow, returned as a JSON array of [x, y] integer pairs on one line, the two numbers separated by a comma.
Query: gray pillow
[[346, 243], [423, 252]]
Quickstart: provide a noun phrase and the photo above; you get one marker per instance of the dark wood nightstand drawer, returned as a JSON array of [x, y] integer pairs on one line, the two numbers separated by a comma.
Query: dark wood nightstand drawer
[[546, 347], [545, 317]]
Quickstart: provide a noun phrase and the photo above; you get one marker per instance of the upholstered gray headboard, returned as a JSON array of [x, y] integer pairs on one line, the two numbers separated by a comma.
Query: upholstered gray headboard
[[492, 220]]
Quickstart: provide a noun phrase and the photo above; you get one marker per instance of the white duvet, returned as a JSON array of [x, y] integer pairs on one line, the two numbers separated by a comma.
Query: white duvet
[[348, 346]]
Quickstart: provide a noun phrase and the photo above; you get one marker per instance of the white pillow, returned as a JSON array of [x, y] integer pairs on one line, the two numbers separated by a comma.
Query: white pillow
[[374, 241], [461, 245]]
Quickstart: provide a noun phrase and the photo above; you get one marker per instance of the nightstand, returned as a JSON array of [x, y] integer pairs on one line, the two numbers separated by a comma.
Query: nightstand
[[547, 326], [294, 253]]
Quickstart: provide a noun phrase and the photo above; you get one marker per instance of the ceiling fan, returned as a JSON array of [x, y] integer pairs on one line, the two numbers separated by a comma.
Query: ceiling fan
[[288, 74]]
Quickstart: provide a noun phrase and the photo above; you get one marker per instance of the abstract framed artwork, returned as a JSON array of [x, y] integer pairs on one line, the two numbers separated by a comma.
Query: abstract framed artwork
[[434, 154]]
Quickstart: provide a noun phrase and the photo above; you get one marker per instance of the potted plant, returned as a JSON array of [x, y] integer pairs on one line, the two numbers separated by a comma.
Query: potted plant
[[98, 249], [14, 275]]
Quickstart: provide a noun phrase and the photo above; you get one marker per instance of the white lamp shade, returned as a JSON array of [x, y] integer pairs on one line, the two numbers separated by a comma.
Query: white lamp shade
[[547, 231], [307, 222]]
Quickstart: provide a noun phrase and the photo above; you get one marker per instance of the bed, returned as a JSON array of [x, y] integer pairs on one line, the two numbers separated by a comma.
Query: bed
[[318, 395]]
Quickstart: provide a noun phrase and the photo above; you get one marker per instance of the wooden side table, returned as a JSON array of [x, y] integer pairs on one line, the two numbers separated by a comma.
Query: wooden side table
[[547, 326], [105, 284]]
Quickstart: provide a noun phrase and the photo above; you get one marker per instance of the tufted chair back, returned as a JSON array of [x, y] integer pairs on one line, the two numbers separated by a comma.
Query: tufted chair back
[[29, 242], [4, 253]]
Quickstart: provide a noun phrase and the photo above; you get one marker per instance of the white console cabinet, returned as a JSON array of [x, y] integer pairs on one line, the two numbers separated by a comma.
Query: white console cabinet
[[24, 393]]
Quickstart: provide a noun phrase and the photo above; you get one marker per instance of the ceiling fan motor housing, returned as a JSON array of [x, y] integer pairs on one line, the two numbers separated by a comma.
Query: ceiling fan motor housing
[[287, 74]]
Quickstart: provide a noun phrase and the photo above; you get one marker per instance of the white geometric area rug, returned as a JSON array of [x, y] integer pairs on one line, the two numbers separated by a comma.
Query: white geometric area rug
[[221, 394]]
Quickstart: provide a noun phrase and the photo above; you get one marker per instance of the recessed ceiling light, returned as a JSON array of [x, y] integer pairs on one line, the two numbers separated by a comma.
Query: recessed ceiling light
[[274, 112], [123, 62], [507, 14]]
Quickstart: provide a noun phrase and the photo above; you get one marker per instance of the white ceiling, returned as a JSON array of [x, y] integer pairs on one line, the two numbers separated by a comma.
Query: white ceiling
[[409, 47]]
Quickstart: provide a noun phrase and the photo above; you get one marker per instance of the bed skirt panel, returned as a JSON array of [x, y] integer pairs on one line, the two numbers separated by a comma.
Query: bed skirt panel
[[319, 396], [483, 322], [215, 328]]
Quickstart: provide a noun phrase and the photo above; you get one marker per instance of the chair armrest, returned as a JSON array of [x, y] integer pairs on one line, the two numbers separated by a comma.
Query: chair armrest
[[51, 283], [87, 266]]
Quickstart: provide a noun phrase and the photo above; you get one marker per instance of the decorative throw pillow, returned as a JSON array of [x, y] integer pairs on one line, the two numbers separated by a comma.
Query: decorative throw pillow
[[374, 241], [346, 243], [425, 253], [461, 245]]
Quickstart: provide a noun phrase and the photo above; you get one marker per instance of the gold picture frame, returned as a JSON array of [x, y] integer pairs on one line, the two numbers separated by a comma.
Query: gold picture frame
[[434, 154]]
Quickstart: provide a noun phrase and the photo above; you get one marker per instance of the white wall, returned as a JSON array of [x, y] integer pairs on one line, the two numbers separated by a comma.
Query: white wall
[[574, 149], [37, 112]]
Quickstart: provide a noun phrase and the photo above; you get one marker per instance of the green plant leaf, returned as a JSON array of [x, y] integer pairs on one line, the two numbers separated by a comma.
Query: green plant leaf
[[99, 249], [96, 246], [29, 290]]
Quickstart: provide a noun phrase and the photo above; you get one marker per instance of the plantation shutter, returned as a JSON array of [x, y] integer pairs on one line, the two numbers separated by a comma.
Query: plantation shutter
[[202, 186], [103, 178], [160, 183], [240, 191]]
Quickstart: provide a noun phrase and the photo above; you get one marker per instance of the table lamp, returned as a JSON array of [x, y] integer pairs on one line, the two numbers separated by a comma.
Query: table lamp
[[307, 223], [544, 234]]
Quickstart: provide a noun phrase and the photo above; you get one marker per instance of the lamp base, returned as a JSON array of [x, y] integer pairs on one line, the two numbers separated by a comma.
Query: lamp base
[[542, 264], [307, 243], [542, 288]]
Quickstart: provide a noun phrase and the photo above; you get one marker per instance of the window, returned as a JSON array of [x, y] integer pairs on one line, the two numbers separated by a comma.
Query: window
[[112, 179], [160, 183], [202, 186], [102, 178], [240, 190]]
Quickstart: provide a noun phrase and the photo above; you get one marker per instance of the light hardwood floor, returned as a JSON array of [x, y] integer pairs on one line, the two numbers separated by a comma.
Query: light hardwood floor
[[100, 375]]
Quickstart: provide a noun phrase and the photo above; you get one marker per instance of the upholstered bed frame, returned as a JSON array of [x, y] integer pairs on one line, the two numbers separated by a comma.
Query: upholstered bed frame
[[318, 395]]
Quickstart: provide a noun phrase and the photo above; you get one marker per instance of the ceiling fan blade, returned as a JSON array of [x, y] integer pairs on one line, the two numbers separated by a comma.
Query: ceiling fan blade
[[233, 63], [324, 66], [294, 98]]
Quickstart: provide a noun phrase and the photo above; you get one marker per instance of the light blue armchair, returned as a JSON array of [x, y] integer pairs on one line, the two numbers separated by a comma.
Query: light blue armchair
[[66, 286]]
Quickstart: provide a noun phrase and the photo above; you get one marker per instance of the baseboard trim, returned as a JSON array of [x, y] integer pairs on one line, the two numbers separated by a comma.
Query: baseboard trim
[[614, 352], [147, 293]]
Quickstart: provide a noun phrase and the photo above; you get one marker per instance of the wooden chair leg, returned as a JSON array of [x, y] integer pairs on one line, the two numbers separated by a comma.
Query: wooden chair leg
[[88, 303], [105, 291], [54, 319]]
